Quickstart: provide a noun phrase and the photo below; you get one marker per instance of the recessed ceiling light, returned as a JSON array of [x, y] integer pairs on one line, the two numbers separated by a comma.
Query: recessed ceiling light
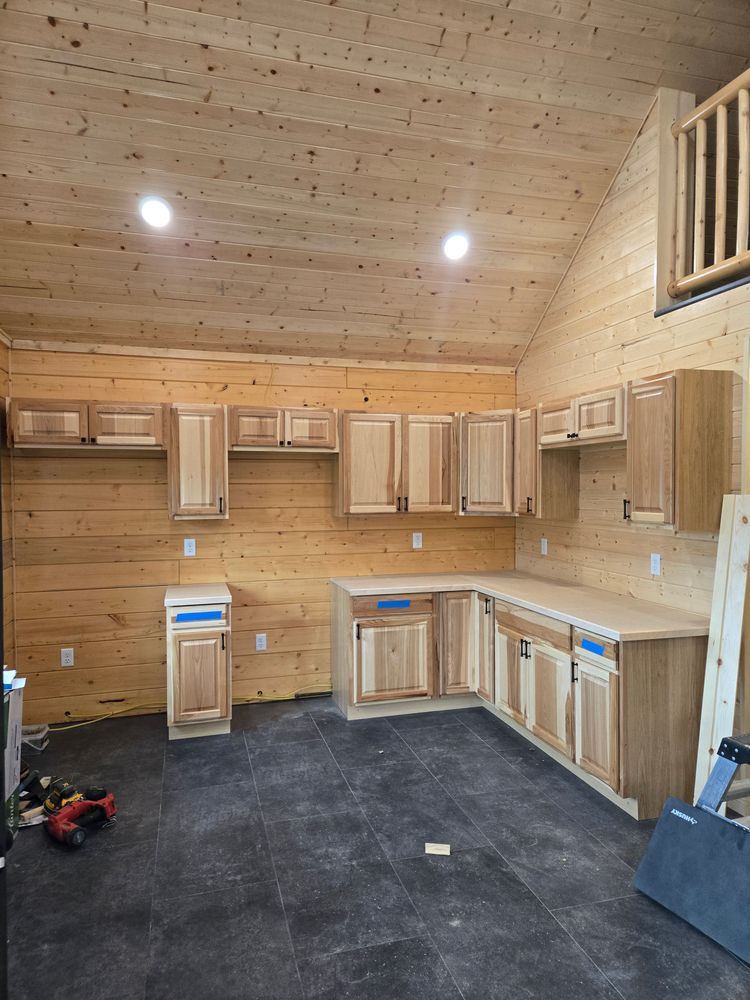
[[455, 246], [155, 211]]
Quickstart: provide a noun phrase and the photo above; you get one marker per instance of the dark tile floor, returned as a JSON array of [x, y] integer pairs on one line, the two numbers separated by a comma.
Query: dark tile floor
[[286, 861]]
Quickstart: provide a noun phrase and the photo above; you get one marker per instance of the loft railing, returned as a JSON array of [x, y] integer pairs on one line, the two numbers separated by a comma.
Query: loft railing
[[712, 220]]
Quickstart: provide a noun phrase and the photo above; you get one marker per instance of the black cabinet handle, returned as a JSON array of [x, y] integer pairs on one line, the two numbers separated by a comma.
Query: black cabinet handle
[[358, 633], [289, 444], [573, 666], [528, 504], [83, 441], [626, 510], [463, 503], [221, 505], [223, 641], [406, 503], [487, 605], [398, 504], [281, 444]]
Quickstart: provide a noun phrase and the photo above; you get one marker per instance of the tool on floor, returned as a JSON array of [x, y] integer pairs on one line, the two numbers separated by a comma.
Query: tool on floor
[[697, 863], [93, 808]]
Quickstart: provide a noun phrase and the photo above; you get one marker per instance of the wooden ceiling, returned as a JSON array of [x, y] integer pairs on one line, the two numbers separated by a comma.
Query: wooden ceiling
[[315, 155]]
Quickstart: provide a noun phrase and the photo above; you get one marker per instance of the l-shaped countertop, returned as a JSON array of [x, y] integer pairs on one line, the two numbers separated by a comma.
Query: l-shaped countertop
[[623, 619]]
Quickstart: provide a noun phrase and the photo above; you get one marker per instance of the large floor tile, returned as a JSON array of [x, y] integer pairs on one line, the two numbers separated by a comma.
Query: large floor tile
[[407, 808], [447, 737], [335, 839], [289, 760], [211, 839], [228, 945], [208, 760], [423, 720], [559, 861], [357, 744], [650, 954], [403, 970], [475, 773], [319, 791], [343, 907], [497, 939], [288, 729], [492, 730]]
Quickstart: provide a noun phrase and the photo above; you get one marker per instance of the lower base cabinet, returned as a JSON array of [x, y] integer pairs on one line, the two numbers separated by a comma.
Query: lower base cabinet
[[485, 651], [597, 733], [394, 658], [456, 649], [510, 673], [550, 697]]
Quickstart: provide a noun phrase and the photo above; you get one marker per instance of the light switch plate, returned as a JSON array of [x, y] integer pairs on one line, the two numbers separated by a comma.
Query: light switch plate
[[655, 564], [543, 546], [67, 657], [416, 539], [261, 642], [188, 547]]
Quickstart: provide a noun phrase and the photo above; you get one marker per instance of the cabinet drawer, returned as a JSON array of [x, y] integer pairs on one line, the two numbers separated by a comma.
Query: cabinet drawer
[[532, 625], [596, 648], [391, 604], [198, 616]]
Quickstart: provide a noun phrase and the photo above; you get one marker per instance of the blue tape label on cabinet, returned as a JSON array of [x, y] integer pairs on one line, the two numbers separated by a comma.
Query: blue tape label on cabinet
[[198, 616], [394, 604], [593, 647]]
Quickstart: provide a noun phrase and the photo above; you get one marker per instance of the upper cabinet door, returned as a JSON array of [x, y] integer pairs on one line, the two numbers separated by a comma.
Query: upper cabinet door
[[256, 427], [310, 429], [429, 463], [487, 463], [600, 415], [370, 463], [526, 456], [197, 462], [555, 423], [45, 422], [125, 425], [651, 430]]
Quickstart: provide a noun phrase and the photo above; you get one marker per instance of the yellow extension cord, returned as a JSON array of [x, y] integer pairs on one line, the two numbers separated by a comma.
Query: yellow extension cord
[[161, 707]]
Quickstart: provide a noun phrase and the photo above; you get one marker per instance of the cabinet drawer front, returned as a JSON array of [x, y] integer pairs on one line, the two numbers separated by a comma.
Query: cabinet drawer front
[[392, 604], [198, 616], [595, 648], [532, 625]]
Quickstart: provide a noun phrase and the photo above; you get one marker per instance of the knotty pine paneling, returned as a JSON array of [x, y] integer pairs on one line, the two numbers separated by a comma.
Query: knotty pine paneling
[[95, 547], [600, 331]]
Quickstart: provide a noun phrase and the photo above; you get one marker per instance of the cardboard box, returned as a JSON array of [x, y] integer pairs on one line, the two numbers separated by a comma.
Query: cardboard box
[[13, 722]]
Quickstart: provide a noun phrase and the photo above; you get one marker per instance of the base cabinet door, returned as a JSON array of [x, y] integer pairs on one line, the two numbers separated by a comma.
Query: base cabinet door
[[394, 658], [487, 463], [485, 648], [597, 721], [197, 465], [551, 697], [199, 689], [48, 422], [456, 642], [510, 673], [124, 425]]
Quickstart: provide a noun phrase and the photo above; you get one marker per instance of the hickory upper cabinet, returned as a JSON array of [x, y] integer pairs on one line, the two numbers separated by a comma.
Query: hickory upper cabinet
[[198, 462], [127, 425], [260, 427], [525, 462], [679, 449], [55, 423], [48, 422], [487, 462], [596, 416], [395, 463]]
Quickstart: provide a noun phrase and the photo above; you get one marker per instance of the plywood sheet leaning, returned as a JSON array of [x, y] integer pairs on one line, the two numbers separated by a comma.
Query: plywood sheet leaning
[[725, 633]]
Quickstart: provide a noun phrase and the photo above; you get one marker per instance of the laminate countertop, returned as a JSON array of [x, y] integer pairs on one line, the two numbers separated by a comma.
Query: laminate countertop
[[623, 619]]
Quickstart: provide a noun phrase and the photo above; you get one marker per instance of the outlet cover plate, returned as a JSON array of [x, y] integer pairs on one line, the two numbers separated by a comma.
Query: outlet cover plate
[[67, 656], [261, 642], [416, 539], [655, 564], [188, 547], [543, 546]]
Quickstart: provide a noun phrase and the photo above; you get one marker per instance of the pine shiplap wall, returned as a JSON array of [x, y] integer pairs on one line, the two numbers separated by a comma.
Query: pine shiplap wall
[[600, 331], [95, 547], [7, 524]]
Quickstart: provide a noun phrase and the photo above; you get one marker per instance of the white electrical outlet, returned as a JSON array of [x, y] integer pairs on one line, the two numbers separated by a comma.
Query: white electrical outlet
[[188, 547], [261, 642], [67, 656], [543, 546], [416, 539], [655, 564]]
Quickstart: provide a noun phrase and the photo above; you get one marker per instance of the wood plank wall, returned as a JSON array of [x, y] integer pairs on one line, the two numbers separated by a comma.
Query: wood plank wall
[[600, 331], [9, 652], [95, 547]]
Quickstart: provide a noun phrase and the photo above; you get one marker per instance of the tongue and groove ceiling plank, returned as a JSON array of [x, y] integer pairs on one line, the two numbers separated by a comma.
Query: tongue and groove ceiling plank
[[315, 155]]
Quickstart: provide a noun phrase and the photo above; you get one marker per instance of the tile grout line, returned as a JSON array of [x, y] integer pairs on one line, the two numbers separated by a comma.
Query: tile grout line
[[275, 872], [390, 861], [156, 860], [492, 847]]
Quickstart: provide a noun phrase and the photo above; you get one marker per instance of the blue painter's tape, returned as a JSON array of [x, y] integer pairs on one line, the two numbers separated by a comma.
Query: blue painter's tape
[[394, 604], [593, 647], [198, 616]]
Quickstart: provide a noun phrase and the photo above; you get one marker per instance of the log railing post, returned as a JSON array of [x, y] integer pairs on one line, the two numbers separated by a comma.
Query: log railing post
[[722, 165], [743, 173], [681, 237], [699, 215]]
